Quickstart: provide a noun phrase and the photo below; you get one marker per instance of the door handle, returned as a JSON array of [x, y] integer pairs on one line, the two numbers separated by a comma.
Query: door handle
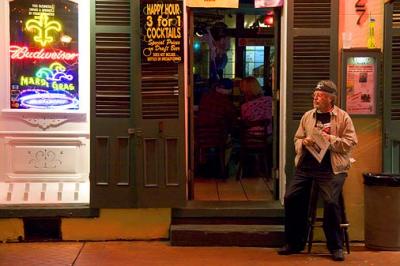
[[131, 131]]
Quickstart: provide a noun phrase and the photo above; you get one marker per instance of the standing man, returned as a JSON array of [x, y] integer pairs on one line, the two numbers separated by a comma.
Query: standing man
[[336, 127]]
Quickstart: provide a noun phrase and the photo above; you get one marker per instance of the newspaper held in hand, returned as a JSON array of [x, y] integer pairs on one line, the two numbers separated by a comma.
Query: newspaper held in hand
[[320, 146]]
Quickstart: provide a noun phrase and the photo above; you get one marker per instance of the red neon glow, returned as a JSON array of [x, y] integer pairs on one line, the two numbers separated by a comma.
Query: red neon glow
[[269, 20], [23, 52]]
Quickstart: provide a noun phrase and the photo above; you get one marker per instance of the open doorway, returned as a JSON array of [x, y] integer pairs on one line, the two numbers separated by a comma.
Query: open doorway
[[233, 109]]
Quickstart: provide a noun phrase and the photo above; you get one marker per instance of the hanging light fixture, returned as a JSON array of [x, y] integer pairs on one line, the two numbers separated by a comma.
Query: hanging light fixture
[[269, 18]]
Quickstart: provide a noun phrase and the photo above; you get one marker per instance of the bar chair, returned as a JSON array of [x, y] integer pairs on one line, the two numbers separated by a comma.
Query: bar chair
[[254, 140], [211, 137], [314, 221]]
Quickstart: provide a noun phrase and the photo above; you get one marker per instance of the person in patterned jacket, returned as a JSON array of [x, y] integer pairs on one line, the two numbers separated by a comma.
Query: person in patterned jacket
[[256, 106]]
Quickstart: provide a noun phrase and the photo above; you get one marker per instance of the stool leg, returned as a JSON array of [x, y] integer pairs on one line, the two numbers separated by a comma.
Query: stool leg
[[345, 222], [239, 173], [312, 211], [222, 163], [310, 237], [239, 170], [346, 239]]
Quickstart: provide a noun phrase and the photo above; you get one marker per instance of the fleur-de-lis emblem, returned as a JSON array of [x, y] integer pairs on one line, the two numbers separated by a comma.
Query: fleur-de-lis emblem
[[43, 27]]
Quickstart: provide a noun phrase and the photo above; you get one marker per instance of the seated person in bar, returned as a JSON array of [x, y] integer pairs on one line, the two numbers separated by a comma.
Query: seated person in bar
[[256, 107], [214, 124], [216, 107], [256, 126]]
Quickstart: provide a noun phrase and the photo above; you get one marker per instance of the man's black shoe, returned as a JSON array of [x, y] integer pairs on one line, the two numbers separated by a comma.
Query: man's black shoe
[[288, 250], [338, 255]]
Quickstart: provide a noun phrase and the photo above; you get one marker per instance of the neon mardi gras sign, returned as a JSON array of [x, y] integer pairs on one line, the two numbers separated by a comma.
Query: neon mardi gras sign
[[44, 54]]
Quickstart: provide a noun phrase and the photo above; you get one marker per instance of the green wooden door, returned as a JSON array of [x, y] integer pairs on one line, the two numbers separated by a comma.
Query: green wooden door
[[111, 170], [391, 109], [160, 142], [137, 126], [312, 55]]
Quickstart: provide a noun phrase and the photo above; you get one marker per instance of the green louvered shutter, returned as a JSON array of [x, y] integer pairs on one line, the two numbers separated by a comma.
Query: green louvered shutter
[[137, 115], [112, 157], [391, 142], [312, 55], [160, 151]]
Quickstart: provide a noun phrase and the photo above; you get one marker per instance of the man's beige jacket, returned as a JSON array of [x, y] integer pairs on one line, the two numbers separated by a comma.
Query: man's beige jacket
[[343, 137]]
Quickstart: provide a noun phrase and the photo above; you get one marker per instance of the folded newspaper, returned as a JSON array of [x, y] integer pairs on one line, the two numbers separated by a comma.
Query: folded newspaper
[[320, 146]]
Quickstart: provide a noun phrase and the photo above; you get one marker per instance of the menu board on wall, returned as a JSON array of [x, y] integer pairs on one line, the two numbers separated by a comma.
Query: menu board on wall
[[361, 85], [162, 31], [44, 54], [213, 3]]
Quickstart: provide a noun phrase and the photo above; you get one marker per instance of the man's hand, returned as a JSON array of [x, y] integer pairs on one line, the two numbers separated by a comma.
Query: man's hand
[[308, 141], [326, 136]]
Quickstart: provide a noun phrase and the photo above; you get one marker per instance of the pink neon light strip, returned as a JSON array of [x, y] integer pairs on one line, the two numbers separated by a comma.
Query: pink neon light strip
[[23, 52]]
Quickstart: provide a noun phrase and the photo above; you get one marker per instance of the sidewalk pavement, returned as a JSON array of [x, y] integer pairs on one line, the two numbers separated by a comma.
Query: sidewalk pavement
[[161, 253]]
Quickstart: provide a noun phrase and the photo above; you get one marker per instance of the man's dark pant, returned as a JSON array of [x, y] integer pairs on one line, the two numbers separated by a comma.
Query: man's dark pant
[[296, 207]]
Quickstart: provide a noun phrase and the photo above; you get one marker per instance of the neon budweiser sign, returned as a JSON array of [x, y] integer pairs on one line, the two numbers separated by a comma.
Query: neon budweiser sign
[[23, 52]]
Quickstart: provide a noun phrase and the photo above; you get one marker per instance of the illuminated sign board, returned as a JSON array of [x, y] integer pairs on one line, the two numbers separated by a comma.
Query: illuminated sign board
[[361, 83], [44, 55], [162, 31]]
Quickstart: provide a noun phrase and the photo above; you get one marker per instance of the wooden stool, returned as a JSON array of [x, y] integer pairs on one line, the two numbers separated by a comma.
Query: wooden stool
[[314, 221]]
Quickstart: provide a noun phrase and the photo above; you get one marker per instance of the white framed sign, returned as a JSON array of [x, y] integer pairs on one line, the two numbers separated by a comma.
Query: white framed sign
[[213, 3]]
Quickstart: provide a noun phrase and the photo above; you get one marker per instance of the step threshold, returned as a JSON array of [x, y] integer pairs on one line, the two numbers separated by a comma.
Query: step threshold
[[228, 228], [229, 209], [227, 235]]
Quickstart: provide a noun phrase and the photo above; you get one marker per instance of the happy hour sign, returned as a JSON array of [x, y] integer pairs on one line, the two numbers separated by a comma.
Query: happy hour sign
[[162, 31]]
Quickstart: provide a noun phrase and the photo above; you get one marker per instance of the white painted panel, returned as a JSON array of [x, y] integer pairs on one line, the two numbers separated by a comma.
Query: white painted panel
[[44, 159]]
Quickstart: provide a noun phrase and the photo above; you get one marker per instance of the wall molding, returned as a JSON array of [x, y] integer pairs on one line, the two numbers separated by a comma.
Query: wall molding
[[45, 119], [46, 133], [44, 123]]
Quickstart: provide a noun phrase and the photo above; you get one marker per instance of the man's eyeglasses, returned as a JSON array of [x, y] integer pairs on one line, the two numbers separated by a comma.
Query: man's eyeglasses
[[319, 94]]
